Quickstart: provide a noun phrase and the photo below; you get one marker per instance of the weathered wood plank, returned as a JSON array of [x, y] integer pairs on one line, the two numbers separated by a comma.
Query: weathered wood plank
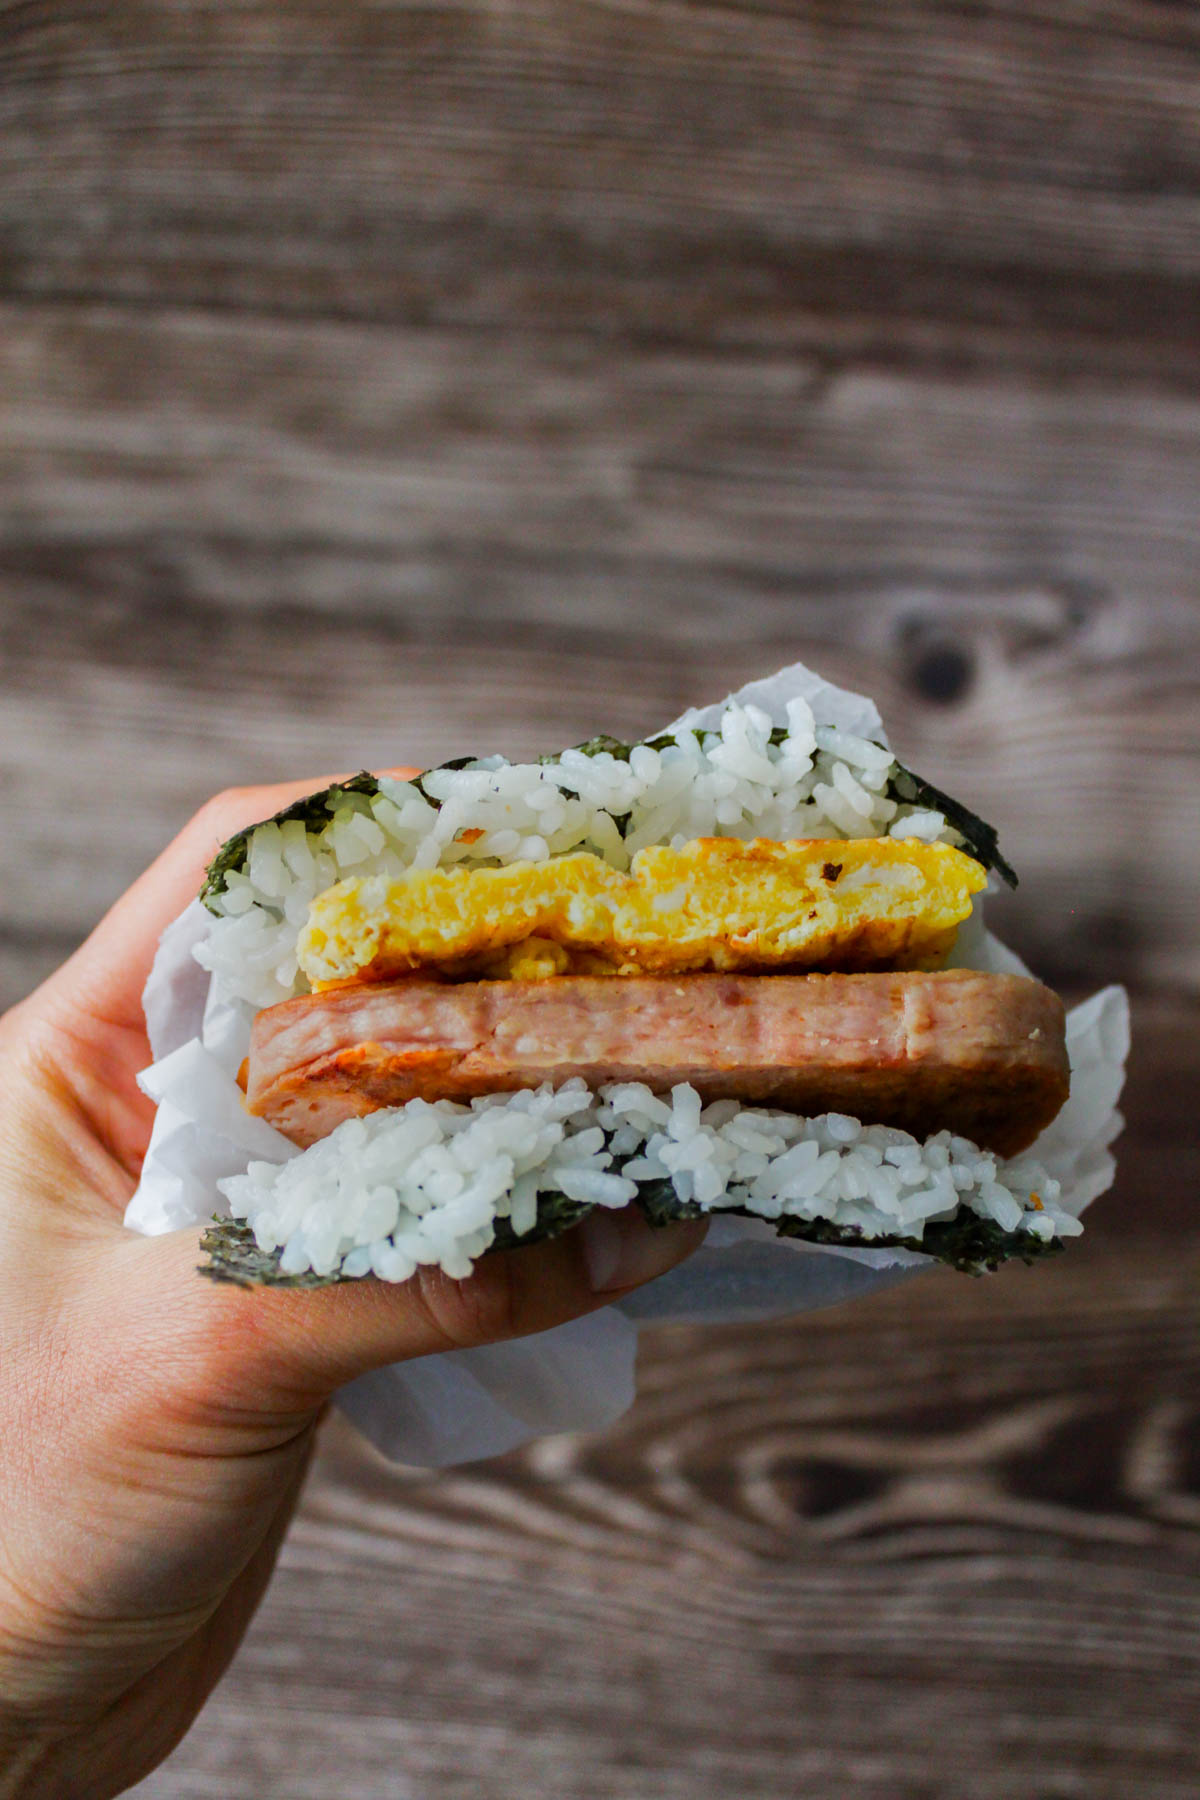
[[28, 956], [231, 551], [900, 1683], [1106, 841], [412, 445], [676, 340], [942, 1541], [899, 175]]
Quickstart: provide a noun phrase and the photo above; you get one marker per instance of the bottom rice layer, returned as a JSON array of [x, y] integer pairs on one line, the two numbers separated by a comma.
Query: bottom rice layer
[[440, 1183]]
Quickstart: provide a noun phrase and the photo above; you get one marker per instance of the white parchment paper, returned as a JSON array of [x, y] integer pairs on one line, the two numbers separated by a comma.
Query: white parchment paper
[[476, 1403]]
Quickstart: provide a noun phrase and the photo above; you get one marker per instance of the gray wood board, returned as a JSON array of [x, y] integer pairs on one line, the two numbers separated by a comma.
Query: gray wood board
[[233, 550], [919, 178], [379, 382]]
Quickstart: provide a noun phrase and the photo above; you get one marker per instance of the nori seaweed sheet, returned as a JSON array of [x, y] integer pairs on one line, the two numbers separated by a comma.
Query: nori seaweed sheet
[[556, 1214], [980, 838], [967, 1243], [316, 809], [904, 784], [234, 1256]]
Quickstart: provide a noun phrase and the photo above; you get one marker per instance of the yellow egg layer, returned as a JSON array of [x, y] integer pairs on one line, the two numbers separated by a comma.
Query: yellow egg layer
[[715, 903]]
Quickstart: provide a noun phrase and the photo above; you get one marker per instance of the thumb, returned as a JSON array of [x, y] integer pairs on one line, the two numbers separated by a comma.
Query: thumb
[[287, 1349]]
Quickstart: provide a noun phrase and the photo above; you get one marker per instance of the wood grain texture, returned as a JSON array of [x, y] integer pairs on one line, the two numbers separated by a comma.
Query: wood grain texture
[[236, 440], [386, 380], [1098, 812], [232, 550], [944, 1542], [921, 178]]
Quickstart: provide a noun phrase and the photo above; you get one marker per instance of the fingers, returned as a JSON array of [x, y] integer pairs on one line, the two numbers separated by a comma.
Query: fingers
[[107, 973], [279, 1350], [228, 1351]]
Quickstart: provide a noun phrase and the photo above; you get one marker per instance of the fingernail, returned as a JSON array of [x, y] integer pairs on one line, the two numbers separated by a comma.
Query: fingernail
[[620, 1250]]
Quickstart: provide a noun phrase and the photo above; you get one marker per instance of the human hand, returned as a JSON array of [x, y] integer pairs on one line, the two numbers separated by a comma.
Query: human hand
[[155, 1428]]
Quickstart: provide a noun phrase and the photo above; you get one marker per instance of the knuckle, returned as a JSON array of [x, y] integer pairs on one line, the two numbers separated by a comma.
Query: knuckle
[[231, 804], [483, 1309], [232, 1372]]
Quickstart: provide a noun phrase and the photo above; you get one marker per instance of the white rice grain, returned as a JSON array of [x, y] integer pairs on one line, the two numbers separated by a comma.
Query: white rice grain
[[733, 782], [427, 1182]]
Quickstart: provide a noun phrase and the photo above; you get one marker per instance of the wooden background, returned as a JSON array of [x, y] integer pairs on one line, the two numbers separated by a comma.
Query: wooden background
[[380, 381]]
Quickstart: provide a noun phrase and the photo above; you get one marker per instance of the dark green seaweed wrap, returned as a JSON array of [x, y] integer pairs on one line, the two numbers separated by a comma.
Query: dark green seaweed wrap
[[968, 1243]]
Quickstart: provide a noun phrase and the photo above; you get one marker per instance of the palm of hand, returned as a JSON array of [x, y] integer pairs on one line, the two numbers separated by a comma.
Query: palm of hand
[[155, 1428], [127, 1602]]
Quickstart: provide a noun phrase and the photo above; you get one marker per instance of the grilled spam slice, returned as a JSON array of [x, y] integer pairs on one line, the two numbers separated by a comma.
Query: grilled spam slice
[[981, 1055]]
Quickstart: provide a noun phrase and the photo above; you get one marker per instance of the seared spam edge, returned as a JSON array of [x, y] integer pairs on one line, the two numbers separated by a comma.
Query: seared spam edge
[[982, 1055]]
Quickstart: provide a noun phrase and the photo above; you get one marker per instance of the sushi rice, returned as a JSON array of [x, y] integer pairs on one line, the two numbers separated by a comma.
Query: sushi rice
[[425, 1183], [817, 783]]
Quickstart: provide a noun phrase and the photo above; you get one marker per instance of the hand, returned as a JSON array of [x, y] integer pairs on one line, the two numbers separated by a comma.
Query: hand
[[155, 1428]]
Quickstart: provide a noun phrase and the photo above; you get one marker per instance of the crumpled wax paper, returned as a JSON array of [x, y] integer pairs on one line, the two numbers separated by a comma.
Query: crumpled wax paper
[[468, 1404]]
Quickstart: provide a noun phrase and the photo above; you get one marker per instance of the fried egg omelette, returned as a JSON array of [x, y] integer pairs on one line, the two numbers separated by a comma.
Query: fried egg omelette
[[712, 904]]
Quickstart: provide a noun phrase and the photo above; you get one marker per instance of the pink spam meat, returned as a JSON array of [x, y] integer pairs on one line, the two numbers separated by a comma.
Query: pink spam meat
[[981, 1055]]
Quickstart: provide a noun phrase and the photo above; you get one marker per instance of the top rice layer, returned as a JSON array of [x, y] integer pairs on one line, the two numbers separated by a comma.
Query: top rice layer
[[817, 782]]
